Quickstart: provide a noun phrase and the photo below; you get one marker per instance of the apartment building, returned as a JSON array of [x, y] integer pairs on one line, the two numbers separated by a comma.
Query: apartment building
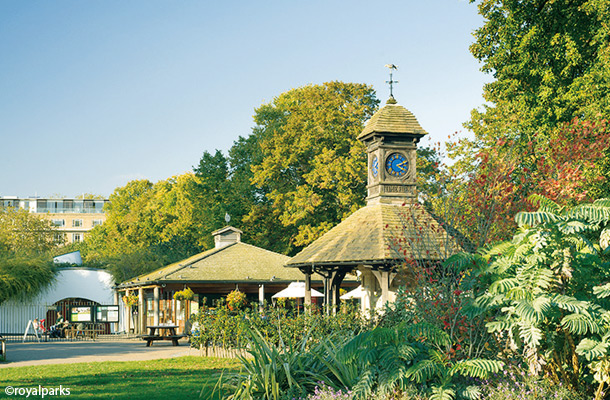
[[73, 218]]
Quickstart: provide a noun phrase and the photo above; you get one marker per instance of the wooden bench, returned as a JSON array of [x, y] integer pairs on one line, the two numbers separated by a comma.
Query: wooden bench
[[151, 338]]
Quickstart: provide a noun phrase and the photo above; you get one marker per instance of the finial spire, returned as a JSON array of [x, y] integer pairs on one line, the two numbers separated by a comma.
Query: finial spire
[[391, 82]]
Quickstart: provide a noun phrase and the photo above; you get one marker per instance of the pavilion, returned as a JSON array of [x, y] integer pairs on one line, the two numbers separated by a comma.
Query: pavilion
[[214, 273], [381, 239]]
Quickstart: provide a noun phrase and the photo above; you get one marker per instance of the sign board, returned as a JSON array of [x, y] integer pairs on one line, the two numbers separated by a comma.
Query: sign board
[[107, 314], [81, 314]]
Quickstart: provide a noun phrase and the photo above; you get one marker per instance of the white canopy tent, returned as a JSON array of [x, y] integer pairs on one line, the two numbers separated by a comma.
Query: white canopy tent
[[357, 293], [296, 290]]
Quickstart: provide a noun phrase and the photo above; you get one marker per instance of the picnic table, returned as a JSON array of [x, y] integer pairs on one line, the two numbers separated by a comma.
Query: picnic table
[[90, 331], [154, 333]]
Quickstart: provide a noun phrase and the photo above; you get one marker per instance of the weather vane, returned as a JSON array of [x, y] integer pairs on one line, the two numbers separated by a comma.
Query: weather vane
[[392, 67]]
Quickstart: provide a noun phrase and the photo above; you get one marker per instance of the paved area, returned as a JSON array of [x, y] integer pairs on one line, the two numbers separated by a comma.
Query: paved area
[[34, 353]]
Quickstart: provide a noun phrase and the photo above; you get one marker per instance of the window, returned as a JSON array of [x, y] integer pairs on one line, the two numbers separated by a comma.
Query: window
[[89, 206], [58, 222], [97, 222], [76, 223], [59, 238], [77, 237]]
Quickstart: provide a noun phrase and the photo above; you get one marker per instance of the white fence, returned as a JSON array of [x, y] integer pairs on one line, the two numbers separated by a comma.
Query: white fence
[[14, 317]]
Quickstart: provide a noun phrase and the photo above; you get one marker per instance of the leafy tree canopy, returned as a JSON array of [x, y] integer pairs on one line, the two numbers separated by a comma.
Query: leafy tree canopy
[[147, 226], [25, 234], [312, 168], [26, 243], [550, 63], [543, 129]]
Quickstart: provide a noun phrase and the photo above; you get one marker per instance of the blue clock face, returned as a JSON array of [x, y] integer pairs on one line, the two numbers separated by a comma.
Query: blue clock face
[[375, 166], [396, 164]]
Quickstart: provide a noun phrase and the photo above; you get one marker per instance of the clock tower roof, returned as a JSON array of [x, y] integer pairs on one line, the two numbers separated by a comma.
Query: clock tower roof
[[392, 119]]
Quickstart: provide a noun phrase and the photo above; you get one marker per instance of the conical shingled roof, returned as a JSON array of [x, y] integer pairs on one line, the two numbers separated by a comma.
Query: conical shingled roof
[[380, 234], [392, 118]]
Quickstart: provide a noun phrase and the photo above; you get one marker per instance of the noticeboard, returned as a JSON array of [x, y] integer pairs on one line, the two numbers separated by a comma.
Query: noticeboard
[[81, 314], [107, 314]]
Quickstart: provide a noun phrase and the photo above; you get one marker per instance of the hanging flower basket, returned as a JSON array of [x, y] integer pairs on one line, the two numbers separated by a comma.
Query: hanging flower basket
[[236, 300], [130, 300], [186, 294]]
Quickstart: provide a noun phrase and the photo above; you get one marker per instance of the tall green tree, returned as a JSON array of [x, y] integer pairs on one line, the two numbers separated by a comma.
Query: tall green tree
[[26, 245], [25, 234], [148, 225], [550, 62], [312, 170], [543, 129]]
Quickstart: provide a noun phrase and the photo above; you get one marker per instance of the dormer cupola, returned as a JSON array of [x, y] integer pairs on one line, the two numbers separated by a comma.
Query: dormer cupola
[[226, 236]]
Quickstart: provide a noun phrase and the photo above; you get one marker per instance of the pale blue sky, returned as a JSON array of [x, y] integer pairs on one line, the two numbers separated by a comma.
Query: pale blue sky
[[96, 93]]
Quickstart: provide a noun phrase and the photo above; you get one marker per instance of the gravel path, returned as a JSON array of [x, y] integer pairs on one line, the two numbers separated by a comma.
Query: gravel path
[[34, 353]]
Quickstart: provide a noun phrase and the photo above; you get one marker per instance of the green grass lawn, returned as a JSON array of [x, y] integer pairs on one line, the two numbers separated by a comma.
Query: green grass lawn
[[173, 378]]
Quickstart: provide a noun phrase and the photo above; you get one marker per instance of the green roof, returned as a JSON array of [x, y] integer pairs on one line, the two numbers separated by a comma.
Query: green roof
[[380, 234], [392, 118], [237, 262]]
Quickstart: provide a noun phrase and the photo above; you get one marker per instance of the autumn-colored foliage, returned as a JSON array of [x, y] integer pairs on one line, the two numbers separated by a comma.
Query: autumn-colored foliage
[[567, 167]]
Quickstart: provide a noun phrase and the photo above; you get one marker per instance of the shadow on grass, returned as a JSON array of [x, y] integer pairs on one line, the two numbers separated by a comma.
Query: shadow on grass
[[177, 378]]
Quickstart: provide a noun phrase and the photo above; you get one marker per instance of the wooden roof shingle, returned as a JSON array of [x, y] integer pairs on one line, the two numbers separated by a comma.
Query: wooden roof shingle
[[392, 118], [237, 262], [380, 234]]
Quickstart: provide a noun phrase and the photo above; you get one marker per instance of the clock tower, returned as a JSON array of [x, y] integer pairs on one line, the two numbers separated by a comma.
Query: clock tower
[[391, 137]]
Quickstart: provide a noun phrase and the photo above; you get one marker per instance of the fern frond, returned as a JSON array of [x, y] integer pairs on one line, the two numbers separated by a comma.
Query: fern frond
[[581, 242], [471, 392], [501, 265], [463, 260], [503, 285], [534, 218], [476, 368], [498, 326], [572, 227], [486, 301], [579, 324], [530, 334], [365, 384], [503, 248], [423, 370], [592, 213], [591, 349], [442, 393], [538, 200], [533, 311], [429, 332], [602, 291], [602, 203], [570, 304]]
